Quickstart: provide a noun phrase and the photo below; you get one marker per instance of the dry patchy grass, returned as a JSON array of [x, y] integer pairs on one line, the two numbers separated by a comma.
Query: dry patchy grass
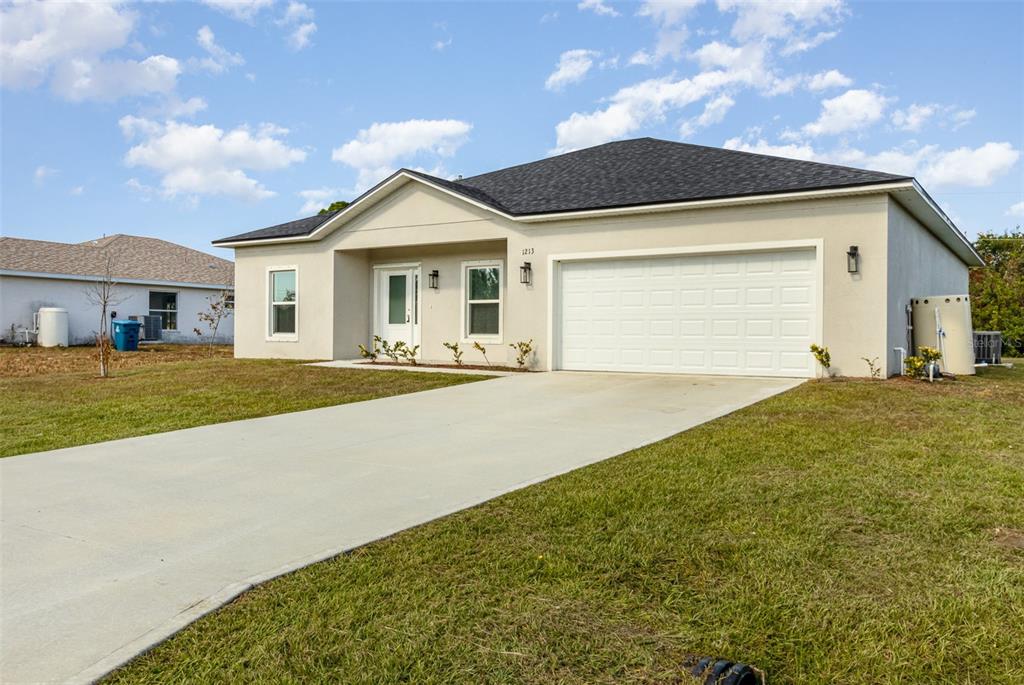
[[53, 397]]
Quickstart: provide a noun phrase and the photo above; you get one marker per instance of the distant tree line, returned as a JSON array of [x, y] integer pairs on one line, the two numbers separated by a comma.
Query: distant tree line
[[997, 289], [335, 206]]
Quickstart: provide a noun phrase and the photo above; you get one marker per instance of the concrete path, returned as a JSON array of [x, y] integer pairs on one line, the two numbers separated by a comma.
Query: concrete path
[[108, 549]]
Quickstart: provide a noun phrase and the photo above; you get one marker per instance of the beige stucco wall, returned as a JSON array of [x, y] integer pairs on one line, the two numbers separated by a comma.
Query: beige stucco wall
[[440, 231], [919, 265]]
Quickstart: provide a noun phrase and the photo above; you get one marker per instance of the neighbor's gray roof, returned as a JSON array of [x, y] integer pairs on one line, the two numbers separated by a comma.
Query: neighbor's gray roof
[[628, 173], [134, 257]]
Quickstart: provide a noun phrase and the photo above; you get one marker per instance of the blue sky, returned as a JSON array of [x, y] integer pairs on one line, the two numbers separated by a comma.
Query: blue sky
[[193, 121]]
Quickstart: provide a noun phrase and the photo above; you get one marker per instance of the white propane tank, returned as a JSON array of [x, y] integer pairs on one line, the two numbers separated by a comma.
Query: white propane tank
[[52, 327], [950, 315]]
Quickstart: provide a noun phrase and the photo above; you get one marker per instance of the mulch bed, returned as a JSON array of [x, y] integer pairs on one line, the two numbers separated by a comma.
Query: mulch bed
[[474, 367]]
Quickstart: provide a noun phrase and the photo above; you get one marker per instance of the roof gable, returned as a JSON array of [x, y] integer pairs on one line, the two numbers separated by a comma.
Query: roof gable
[[622, 174]]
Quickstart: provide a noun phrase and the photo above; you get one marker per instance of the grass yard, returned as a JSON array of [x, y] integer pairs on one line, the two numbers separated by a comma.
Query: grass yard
[[52, 397], [846, 531]]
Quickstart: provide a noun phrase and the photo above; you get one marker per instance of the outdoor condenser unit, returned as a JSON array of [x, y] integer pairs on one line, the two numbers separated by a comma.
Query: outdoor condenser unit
[[152, 327]]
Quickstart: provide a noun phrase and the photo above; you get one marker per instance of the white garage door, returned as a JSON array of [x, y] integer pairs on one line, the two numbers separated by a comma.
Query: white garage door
[[750, 313]]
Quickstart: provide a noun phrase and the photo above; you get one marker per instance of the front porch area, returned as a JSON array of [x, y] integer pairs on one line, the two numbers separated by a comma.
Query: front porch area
[[425, 296]]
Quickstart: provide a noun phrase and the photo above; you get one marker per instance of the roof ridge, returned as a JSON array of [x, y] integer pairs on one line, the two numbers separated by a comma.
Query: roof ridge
[[561, 154]]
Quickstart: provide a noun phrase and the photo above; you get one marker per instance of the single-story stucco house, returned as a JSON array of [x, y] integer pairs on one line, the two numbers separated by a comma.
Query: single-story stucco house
[[638, 255], [152, 277]]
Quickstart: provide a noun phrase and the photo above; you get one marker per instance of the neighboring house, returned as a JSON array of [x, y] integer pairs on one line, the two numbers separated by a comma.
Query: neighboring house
[[639, 255], [153, 277]]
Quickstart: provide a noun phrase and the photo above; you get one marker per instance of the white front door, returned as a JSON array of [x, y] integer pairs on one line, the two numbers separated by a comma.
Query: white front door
[[398, 305], [747, 313]]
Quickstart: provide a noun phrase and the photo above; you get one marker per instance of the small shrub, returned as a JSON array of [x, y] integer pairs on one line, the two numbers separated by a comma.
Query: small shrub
[[824, 358], [914, 366], [876, 372], [371, 354], [482, 350], [523, 349], [456, 352], [389, 351], [929, 354], [410, 353]]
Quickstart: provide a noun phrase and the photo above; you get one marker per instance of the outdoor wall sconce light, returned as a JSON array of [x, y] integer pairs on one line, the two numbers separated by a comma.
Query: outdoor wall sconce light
[[526, 274], [432, 279], [852, 256]]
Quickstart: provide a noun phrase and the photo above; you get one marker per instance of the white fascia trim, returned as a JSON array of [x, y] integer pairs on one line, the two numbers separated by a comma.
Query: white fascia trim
[[948, 223], [721, 202], [116, 281], [402, 176]]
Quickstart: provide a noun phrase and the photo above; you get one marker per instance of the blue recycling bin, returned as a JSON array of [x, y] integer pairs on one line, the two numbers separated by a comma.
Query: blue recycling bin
[[125, 334]]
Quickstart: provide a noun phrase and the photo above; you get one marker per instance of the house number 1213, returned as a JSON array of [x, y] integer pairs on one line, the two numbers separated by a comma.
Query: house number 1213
[[527, 250]]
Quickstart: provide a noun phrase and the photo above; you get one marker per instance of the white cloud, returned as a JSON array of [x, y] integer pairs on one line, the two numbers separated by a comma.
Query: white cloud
[[76, 190], [962, 117], [300, 38], [833, 78], [850, 111], [445, 41], [966, 167], [912, 118], [762, 147], [81, 79], [441, 44], [930, 164], [597, 7], [175, 108], [42, 173], [318, 198], [781, 19], [298, 20], [1016, 209], [375, 151], [549, 17], [198, 160], [38, 36], [714, 111], [572, 67], [242, 10], [804, 44], [219, 59], [668, 16], [64, 42], [297, 12]]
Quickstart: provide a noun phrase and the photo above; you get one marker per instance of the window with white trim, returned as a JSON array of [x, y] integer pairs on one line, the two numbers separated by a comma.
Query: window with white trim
[[482, 291], [283, 303]]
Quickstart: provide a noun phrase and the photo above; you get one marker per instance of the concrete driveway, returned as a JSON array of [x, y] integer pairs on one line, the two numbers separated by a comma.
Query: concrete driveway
[[108, 549]]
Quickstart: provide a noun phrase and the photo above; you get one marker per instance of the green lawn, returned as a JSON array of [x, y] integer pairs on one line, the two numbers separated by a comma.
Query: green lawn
[[846, 531], [53, 398]]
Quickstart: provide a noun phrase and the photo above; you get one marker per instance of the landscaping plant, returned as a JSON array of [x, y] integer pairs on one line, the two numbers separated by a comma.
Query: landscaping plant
[[482, 350], [824, 358], [409, 353], [456, 352], [876, 372], [523, 349], [219, 309]]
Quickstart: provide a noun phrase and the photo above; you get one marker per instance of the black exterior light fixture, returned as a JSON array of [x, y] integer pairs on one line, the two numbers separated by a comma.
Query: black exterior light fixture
[[852, 259], [526, 274], [432, 279]]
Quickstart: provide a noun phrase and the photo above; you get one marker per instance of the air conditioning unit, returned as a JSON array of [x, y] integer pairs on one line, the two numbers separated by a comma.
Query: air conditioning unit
[[152, 328]]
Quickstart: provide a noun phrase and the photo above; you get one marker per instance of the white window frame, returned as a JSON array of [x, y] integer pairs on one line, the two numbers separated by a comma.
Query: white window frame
[[176, 310], [269, 293], [499, 264]]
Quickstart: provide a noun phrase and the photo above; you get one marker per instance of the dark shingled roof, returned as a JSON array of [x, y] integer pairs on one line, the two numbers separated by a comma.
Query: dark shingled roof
[[627, 173]]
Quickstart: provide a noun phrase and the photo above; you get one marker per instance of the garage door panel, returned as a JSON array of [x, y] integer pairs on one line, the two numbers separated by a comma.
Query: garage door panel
[[729, 314]]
